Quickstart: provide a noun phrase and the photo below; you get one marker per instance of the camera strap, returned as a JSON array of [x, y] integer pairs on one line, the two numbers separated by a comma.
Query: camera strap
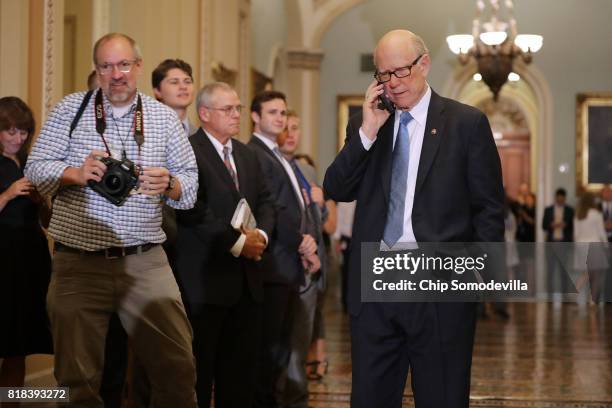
[[79, 113], [101, 121]]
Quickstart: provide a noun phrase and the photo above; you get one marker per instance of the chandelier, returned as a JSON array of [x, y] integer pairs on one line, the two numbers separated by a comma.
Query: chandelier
[[494, 44]]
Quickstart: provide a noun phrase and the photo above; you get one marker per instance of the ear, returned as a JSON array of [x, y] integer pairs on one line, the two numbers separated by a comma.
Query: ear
[[255, 117], [157, 94], [203, 114], [425, 64], [138, 67]]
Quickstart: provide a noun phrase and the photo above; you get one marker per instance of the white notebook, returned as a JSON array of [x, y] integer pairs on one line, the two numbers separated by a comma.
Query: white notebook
[[243, 217]]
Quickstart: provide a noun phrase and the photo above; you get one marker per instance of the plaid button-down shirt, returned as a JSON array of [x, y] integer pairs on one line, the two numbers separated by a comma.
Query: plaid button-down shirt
[[82, 218]]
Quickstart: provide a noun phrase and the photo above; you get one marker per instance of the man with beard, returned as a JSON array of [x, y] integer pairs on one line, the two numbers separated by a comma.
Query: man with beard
[[108, 256]]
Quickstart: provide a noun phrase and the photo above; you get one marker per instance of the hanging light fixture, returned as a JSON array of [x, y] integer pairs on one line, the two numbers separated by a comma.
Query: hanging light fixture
[[494, 44]]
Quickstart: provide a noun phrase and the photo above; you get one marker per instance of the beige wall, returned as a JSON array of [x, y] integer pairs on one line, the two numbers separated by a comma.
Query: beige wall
[[199, 32], [78, 60], [226, 32], [32, 54], [14, 17], [163, 29]]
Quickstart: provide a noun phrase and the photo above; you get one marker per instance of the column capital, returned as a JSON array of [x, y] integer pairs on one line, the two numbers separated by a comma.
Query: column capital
[[305, 58]]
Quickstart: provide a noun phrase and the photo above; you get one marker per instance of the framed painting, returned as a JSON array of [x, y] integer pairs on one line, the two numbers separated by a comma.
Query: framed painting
[[348, 105], [593, 141]]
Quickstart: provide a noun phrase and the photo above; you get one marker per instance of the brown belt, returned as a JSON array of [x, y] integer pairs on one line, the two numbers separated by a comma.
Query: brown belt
[[108, 253]]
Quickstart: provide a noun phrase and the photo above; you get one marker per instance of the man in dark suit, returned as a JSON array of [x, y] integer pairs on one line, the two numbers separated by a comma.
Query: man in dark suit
[[293, 249], [558, 220], [217, 264], [430, 172]]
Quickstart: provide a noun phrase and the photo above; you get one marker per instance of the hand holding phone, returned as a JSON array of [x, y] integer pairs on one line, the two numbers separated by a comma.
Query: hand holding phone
[[385, 103], [375, 113]]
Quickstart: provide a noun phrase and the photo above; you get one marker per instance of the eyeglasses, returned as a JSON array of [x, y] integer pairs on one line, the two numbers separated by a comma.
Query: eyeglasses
[[124, 66], [403, 72], [228, 110]]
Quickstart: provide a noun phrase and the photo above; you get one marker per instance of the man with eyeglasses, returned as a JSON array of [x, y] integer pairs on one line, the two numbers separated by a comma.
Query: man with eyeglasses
[[108, 256], [293, 250], [217, 262], [428, 172]]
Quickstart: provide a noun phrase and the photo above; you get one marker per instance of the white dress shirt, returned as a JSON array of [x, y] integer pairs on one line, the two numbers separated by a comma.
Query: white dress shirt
[[273, 146], [236, 249], [416, 132]]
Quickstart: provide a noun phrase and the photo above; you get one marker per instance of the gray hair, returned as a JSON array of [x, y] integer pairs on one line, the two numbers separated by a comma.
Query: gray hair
[[205, 95], [111, 36]]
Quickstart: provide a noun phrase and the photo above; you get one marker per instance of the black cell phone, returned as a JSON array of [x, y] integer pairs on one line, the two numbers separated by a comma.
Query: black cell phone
[[385, 103]]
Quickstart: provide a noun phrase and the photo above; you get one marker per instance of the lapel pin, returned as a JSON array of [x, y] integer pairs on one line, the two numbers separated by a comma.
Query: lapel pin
[[434, 131]]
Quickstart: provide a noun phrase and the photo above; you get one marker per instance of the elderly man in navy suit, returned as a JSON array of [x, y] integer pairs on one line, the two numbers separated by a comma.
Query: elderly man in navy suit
[[429, 172]]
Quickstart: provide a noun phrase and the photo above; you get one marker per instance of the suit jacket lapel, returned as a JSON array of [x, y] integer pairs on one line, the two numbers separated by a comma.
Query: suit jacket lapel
[[262, 145], [431, 141], [386, 152], [241, 169], [218, 163]]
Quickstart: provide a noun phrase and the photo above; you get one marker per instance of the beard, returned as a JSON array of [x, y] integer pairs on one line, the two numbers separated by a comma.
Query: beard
[[120, 96]]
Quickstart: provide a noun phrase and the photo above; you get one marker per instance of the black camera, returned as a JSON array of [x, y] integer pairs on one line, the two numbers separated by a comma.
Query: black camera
[[120, 178]]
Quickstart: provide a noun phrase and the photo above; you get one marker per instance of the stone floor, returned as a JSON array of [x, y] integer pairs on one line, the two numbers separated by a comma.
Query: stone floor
[[544, 356]]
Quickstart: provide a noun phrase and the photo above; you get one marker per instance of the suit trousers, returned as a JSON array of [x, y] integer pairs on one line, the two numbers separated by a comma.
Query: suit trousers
[[433, 340], [86, 289], [278, 311], [226, 344], [293, 382]]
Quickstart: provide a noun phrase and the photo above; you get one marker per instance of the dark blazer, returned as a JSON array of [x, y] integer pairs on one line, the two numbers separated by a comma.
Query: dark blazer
[[459, 193], [206, 270], [568, 219], [284, 265]]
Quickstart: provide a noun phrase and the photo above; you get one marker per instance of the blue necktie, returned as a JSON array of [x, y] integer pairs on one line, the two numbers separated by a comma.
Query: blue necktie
[[394, 228], [301, 179]]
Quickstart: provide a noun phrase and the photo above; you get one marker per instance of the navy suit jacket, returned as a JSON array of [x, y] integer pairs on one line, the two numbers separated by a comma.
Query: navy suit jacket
[[459, 193], [282, 265], [568, 219], [206, 270]]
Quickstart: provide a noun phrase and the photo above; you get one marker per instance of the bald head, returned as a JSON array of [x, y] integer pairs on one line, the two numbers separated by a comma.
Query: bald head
[[403, 57], [399, 40]]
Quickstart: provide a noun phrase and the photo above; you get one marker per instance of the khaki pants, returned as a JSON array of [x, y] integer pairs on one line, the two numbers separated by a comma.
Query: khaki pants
[[86, 289]]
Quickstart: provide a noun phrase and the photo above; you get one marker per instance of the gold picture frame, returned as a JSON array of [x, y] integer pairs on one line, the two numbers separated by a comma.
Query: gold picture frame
[[348, 105], [593, 141]]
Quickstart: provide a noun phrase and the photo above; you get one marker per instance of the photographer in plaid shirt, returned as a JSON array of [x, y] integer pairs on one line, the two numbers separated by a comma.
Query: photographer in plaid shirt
[[107, 254]]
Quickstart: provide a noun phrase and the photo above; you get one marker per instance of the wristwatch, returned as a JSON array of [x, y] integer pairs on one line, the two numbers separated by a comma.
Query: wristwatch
[[171, 183]]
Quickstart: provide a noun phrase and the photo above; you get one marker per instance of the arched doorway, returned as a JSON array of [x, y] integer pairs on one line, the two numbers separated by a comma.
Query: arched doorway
[[513, 141], [531, 96]]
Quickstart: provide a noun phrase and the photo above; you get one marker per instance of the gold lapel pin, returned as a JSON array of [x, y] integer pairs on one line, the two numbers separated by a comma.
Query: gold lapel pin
[[434, 131]]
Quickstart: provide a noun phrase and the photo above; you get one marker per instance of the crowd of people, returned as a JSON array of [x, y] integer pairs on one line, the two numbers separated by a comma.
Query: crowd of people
[[204, 259], [150, 248], [589, 226]]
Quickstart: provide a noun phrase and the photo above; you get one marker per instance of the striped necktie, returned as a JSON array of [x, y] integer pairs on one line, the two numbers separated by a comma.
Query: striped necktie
[[228, 164]]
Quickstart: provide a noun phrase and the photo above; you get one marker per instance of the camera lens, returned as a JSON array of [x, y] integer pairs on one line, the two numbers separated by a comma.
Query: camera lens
[[113, 183]]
